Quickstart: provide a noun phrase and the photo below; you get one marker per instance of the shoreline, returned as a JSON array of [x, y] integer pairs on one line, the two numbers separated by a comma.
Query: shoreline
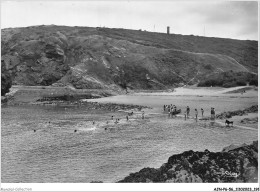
[[30, 94]]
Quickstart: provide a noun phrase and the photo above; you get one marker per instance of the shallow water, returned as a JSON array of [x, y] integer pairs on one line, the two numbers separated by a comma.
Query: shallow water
[[54, 153]]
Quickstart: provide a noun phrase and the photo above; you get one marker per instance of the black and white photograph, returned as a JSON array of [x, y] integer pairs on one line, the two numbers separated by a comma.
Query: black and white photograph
[[109, 95]]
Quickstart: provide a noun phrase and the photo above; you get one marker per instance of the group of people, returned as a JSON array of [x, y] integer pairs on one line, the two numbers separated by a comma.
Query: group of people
[[172, 110], [127, 118], [117, 119], [212, 112]]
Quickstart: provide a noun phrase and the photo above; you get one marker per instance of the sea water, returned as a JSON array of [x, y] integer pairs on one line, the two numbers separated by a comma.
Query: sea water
[[55, 153]]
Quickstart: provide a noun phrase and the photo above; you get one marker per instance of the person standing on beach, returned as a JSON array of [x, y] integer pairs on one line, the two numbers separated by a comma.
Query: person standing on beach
[[202, 112], [188, 111], [196, 115], [212, 112]]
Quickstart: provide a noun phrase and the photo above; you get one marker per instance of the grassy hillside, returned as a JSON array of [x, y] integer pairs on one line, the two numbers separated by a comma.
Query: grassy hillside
[[111, 58]]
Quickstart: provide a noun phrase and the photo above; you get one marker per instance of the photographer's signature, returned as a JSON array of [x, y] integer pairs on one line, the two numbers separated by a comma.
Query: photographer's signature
[[229, 174]]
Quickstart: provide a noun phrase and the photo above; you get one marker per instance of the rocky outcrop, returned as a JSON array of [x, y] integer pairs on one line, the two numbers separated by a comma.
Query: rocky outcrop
[[34, 59], [6, 80], [249, 120], [229, 114], [64, 100], [233, 164]]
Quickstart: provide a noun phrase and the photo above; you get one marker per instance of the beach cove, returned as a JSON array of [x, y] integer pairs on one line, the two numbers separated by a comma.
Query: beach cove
[[54, 153]]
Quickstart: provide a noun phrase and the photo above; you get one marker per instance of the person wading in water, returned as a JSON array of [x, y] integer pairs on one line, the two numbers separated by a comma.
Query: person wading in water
[[202, 112], [212, 113], [196, 115]]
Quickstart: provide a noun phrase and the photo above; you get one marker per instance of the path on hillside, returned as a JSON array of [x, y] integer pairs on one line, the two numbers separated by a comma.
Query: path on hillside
[[231, 58], [192, 78], [233, 61]]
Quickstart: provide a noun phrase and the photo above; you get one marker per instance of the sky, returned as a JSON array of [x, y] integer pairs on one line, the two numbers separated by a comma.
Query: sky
[[226, 19]]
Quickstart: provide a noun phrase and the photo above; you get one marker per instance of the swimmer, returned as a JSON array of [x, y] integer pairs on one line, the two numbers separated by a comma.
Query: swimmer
[[112, 117], [127, 117], [105, 128], [75, 130], [93, 123], [34, 130]]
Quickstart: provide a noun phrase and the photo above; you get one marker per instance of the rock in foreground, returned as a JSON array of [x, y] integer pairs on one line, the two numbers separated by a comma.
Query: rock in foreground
[[239, 164]]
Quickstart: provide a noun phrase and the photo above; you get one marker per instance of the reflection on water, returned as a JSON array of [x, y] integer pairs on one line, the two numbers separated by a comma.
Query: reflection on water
[[54, 153]]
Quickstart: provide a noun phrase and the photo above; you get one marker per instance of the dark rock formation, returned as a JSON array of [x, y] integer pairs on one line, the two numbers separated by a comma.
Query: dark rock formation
[[233, 164], [6, 80], [229, 114], [249, 120], [93, 105], [4, 100]]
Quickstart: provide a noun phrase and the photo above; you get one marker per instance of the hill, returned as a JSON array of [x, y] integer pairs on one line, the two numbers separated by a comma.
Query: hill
[[103, 58]]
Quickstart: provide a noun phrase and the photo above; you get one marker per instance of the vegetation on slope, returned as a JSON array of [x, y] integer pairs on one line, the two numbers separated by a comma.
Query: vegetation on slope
[[229, 79]]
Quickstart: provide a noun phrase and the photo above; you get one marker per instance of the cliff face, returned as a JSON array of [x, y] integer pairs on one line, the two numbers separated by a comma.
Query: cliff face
[[233, 164], [110, 58]]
